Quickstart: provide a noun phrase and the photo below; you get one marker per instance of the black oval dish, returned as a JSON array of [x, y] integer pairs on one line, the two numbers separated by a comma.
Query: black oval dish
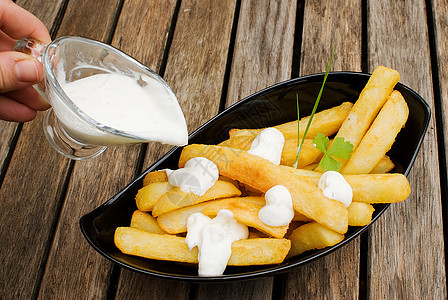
[[271, 106]]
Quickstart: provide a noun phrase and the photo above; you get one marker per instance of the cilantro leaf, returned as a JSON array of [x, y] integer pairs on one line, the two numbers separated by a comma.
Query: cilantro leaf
[[321, 142], [339, 148], [328, 163]]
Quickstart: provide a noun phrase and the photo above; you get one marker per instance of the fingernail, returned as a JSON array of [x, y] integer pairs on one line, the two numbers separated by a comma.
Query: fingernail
[[27, 71]]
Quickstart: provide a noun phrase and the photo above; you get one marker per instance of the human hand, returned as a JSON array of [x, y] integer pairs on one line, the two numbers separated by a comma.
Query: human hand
[[19, 101]]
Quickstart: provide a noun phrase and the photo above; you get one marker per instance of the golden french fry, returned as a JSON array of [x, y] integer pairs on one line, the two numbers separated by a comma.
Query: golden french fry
[[311, 236], [176, 198], [175, 221], [261, 174], [255, 234], [300, 217], [380, 136], [372, 98], [308, 153], [385, 165], [155, 176], [146, 222], [359, 214], [262, 251], [148, 195], [326, 122], [367, 188], [245, 212], [258, 251]]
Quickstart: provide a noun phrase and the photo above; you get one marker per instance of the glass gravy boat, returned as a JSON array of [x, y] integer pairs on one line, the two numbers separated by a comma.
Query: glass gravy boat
[[69, 130]]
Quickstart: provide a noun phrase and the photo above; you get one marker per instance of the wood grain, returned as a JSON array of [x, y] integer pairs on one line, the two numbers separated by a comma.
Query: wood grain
[[263, 47], [7, 131], [30, 195], [327, 23], [440, 15], [406, 258], [198, 55], [254, 289], [137, 286]]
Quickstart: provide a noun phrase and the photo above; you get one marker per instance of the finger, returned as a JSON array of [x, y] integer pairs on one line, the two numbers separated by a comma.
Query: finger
[[6, 42], [14, 111], [29, 97], [18, 70], [19, 23]]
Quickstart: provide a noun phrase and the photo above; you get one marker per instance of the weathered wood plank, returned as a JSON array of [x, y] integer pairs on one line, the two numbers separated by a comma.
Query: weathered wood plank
[[198, 55], [7, 131], [85, 274], [440, 16], [255, 289], [263, 47], [137, 286], [406, 244], [30, 194], [327, 23]]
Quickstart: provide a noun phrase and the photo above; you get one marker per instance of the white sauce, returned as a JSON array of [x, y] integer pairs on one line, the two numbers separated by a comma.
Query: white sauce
[[278, 210], [268, 144], [334, 186], [146, 109], [198, 175], [214, 238]]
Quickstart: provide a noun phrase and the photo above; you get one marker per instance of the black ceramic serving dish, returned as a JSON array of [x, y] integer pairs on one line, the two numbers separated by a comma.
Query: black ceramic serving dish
[[271, 106]]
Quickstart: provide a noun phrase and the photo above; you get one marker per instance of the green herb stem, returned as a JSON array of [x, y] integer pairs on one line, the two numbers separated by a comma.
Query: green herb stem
[[299, 148]]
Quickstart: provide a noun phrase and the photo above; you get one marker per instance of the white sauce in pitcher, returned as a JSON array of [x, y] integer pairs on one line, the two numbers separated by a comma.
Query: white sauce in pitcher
[[146, 109]]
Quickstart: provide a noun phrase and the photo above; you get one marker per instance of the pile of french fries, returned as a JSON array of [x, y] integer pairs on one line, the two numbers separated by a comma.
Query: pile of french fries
[[158, 227]]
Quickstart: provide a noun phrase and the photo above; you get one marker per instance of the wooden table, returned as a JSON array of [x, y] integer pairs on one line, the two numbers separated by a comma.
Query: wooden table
[[214, 53]]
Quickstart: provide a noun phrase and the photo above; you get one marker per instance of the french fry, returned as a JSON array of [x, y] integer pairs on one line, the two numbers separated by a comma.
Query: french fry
[[367, 188], [176, 198], [245, 212], [146, 222], [326, 122], [385, 165], [311, 236], [261, 174], [372, 98], [147, 196], [308, 153], [380, 136], [300, 217], [175, 221], [359, 214], [258, 251], [155, 176]]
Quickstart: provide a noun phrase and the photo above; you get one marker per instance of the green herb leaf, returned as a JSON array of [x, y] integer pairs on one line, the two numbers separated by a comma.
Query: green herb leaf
[[339, 148]]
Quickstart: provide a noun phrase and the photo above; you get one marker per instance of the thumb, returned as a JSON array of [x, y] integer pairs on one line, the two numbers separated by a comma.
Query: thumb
[[18, 70]]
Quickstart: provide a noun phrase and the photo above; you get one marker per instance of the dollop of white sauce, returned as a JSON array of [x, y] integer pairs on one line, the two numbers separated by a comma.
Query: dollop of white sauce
[[198, 175], [334, 186], [214, 238], [278, 210], [268, 144]]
